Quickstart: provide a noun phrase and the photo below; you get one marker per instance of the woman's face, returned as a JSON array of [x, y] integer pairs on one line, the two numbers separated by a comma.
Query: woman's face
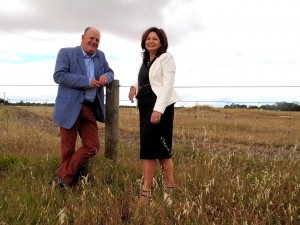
[[152, 42]]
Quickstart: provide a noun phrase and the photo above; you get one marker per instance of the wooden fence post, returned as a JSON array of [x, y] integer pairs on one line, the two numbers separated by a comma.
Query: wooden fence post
[[112, 120]]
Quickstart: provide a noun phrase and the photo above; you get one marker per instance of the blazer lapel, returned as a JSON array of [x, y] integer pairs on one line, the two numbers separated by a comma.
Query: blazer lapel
[[81, 62], [97, 65]]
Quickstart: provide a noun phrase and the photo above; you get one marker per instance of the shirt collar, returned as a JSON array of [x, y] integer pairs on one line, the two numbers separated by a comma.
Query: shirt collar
[[86, 56]]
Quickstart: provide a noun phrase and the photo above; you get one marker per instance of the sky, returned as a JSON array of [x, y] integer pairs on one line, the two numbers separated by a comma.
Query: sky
[[233, 51]]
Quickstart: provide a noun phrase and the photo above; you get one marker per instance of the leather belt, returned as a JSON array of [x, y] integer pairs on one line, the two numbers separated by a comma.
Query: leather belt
[[87, 103], [145, 85]]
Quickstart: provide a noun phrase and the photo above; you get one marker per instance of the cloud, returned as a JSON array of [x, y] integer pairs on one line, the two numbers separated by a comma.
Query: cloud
[[127, 18]]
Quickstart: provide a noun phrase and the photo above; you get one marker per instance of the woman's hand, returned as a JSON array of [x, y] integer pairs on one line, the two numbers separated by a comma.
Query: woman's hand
[[132, 93], [155, 117]]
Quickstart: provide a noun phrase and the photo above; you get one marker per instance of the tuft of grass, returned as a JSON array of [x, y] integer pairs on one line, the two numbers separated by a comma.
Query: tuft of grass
[[6, 163]]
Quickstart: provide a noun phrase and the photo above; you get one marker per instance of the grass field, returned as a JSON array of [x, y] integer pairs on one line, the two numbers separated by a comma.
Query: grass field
[[232, 166]]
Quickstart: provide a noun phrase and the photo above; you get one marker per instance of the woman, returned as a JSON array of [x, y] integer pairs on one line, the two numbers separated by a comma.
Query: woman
[[156, 98]]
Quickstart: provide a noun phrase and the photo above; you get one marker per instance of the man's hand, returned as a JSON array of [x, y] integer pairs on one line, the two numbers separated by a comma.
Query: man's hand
[[98, 83], [95, 84], [103, 80]]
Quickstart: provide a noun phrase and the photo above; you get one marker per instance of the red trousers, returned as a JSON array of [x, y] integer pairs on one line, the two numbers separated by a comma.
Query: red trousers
[[71, 159]]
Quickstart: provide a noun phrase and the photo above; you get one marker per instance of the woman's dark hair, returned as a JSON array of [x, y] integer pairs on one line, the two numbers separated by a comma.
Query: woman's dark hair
[[162, 38]]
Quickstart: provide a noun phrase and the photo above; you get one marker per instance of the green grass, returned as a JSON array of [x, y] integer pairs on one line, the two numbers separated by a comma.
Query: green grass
[[221, 181]]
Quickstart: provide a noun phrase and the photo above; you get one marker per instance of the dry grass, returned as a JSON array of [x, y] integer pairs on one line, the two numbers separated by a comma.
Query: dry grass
[[232, 167]]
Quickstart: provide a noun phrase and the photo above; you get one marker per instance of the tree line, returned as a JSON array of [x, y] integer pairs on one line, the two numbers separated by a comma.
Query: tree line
[[22, 103], [278, 106]]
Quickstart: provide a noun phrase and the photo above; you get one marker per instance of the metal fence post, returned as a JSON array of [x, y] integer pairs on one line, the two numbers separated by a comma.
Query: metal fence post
[[112, 120]]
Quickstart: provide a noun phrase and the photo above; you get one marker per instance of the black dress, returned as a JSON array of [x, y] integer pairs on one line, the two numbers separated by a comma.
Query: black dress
[[155, 139]]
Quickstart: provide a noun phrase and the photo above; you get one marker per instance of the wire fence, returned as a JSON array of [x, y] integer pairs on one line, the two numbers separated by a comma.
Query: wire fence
[[45, 93], [198, 126]]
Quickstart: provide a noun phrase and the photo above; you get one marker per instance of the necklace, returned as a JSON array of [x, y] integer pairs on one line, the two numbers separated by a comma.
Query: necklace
[[150, 61]]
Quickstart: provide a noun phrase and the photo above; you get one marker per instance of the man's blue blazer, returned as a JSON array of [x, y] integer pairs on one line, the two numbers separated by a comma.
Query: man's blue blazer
[[71, 75]]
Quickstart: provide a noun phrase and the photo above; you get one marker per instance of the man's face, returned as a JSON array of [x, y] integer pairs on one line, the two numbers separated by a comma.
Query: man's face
[[90, 41]]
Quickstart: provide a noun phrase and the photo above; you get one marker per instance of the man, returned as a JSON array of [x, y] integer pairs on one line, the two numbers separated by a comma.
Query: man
[[81, 73]]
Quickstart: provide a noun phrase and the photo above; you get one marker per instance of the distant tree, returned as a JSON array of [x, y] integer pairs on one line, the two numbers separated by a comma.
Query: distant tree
[[282, 106], [295, 106], [235, 106], [268, 107], [3, 102], [253, 107]]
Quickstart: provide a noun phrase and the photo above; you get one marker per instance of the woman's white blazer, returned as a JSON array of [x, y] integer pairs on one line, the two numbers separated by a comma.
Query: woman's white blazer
[[161, 77]]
